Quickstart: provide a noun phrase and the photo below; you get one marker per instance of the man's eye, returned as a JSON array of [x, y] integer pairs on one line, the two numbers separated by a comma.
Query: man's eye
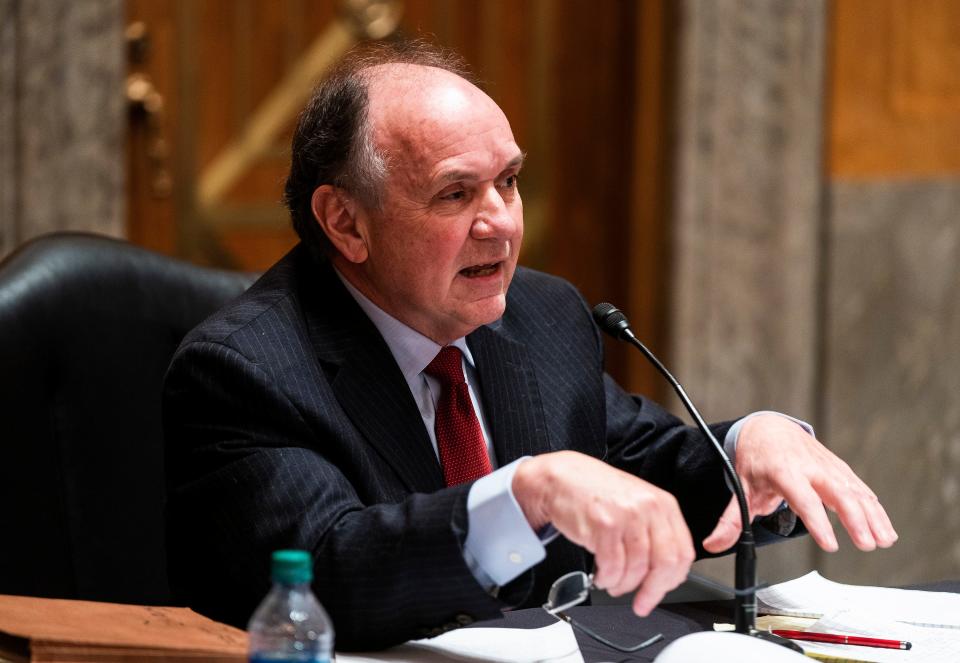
[[510, 181], [456, 194]]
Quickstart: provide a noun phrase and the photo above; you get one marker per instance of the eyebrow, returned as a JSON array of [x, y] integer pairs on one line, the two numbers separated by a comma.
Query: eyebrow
[[457, 175]]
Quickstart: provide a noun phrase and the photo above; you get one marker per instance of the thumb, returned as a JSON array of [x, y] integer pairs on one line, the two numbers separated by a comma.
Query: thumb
[[727, 531]]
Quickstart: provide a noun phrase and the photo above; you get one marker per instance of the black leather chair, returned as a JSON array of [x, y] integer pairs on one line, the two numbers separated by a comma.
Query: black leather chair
[[88, 325]]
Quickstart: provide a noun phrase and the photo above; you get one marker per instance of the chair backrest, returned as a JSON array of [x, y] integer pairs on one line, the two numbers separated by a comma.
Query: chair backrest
[[88, 325]]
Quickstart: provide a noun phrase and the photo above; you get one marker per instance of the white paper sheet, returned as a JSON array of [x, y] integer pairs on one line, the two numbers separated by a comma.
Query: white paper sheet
[[710, 647], [813, 595], [555, 643], [930, 644]]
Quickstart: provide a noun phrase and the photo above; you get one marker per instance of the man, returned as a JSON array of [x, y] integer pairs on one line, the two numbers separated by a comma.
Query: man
[[355, 400]]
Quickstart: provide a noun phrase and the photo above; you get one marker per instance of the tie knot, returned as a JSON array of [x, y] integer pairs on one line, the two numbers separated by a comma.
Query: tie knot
[[446, 366]]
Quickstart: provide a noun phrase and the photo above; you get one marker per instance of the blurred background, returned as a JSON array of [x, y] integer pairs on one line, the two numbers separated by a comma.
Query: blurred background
[[769, 188]]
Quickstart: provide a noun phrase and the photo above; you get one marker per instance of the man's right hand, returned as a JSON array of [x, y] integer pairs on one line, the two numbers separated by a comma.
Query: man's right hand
[[635, 530]]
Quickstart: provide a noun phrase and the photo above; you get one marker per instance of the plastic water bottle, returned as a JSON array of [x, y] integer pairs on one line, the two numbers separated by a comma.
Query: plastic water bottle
[[290, 625]]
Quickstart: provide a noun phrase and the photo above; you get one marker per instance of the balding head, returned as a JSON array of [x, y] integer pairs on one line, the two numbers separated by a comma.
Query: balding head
[[333, 142], [412, 107]]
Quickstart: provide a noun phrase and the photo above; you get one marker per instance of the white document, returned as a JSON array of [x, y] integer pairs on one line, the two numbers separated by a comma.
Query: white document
[[708, 647], [931, 644], [813, 595], [555, 643]]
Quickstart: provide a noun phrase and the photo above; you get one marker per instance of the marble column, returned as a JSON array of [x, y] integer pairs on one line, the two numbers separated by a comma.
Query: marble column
[[747, 224], [62, 118], [892, 352], [8, 125]]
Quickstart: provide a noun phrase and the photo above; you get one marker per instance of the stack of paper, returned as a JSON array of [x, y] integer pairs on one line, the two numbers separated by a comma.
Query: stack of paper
[[62, 631], [555, 643], [930, 621], [813, 595]]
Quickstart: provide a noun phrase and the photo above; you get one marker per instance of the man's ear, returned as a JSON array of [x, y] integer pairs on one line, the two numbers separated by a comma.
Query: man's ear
[[343, 220]]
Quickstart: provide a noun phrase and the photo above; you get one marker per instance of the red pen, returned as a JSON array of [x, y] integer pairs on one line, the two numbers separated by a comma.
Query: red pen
[[837, 639]]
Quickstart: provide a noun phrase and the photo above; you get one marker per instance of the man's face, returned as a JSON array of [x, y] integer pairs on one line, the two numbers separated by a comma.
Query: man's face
[[443, 247]]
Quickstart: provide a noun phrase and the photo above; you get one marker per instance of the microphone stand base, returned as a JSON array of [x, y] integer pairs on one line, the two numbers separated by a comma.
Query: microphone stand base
[[776, 639]]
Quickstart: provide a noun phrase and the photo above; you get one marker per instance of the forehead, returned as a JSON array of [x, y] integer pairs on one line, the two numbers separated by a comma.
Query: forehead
[[428, 119]]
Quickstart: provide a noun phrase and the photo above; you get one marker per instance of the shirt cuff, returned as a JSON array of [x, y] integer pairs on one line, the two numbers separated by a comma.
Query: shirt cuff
[[730, 441], [782, 521], [500, 543]]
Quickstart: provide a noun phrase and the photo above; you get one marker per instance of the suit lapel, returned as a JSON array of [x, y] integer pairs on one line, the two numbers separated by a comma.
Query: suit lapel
[[511, 395], [368, 383], [372, 391]]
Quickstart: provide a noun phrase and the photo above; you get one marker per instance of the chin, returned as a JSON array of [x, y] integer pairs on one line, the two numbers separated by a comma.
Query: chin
[[488, 311]]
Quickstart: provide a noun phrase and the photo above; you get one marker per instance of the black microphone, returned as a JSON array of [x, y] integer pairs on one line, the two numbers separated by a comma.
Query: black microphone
[[611, 320]]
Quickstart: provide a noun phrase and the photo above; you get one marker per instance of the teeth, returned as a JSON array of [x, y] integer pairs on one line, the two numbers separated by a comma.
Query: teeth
[[479, 270]]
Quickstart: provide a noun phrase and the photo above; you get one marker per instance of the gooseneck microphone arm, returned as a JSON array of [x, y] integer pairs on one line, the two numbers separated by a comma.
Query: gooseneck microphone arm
[[611, 320]]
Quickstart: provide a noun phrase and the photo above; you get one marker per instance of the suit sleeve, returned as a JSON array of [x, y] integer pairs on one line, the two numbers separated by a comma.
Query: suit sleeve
[[642, 438], [247, 476], [649, 442]]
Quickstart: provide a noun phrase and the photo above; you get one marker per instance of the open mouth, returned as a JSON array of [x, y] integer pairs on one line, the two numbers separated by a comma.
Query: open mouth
[[480, 270]]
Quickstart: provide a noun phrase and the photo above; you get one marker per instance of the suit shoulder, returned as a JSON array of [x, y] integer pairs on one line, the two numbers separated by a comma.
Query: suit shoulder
[[533, 291], [270, 300], [532, 283], [543, 304]]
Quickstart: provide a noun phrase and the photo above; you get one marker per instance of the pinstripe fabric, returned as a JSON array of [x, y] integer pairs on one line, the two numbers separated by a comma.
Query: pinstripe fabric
[[289, 425]]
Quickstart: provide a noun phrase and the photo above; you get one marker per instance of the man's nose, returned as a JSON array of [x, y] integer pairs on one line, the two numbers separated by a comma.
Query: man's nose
[[495, 215]]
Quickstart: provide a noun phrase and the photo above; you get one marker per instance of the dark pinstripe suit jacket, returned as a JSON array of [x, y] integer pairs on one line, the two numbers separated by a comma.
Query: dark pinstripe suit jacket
[[289, 424]]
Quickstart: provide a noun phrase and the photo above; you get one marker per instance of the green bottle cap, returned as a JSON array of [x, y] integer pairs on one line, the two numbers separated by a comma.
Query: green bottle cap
[[291, 567]]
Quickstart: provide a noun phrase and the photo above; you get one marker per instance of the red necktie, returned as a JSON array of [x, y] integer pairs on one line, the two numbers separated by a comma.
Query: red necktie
[[463, 453]]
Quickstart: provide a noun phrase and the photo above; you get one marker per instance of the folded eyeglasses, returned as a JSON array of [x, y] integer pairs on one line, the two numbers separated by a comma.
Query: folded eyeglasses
[[573, 589]]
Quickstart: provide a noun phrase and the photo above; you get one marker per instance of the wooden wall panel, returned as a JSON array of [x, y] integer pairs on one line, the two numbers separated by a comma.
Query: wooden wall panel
[[650, 258], [586, 99], [587, 231], [215, 65], [895, 88], [151, 218], [926, 58]]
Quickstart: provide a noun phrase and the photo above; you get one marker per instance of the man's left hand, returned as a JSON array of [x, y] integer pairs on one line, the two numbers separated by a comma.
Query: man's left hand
[[777, 460]]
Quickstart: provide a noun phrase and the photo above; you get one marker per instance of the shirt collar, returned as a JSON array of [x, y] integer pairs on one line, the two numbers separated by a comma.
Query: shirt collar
[[410, 349]]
